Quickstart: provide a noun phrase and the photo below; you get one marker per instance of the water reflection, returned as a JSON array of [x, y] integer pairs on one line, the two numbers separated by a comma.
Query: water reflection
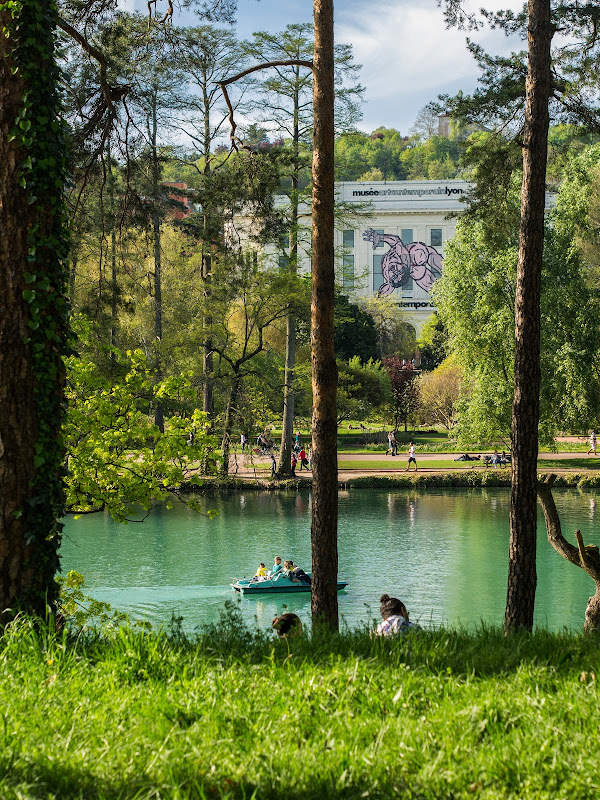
[[445, 553]]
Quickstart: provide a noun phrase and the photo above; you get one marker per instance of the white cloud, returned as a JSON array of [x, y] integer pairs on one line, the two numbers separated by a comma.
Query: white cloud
[[409, 57]]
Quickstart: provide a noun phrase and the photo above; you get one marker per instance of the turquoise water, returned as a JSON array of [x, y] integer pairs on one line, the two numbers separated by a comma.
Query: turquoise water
[[444, 553]]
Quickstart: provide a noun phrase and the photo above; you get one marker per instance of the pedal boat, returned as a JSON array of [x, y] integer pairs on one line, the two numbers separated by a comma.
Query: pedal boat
[[276, 585]]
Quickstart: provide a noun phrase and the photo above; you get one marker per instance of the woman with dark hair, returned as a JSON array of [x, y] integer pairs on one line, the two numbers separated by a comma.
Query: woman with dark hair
[[394, 616], [288, 626]]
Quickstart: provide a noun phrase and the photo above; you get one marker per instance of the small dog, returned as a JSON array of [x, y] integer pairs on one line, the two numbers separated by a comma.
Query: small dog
[[288, 626]]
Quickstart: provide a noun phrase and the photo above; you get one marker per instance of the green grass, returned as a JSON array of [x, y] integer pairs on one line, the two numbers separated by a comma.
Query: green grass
[[571, 463], [399, 463], [233, 714]]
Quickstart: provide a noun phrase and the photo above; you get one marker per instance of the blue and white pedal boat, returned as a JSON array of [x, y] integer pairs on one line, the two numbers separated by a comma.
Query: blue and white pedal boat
[[276, 585]]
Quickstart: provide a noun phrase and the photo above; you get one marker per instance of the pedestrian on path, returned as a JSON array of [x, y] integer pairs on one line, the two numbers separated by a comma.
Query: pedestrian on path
[[412, 457], [392, 444], [592, 443]]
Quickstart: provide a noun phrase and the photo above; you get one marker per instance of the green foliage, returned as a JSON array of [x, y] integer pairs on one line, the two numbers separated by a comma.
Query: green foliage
[[118, 460], [362, 389], [354, 331], [80, 611], [440, 392], [475, 300], [387, 155], [432, 344], [233, 713]]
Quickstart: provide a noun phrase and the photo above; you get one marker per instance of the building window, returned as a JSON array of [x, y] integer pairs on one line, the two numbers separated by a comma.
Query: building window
[[407, 235], [435, 237], [348, 272], [377, 274], [348, 240]]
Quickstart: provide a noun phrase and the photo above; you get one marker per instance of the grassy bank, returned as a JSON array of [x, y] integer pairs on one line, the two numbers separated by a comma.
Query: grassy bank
[[237, 715], [464, 478]]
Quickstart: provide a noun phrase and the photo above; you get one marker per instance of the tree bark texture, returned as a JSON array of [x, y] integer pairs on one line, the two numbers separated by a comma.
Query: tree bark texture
[[230, 413], [33, 282], [159, 419], [520, 599], [586, 558], [285, 456], [324, 370], [287, 426]]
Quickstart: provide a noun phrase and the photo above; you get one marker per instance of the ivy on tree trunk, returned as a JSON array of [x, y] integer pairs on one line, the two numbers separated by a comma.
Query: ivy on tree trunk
[[33, 307]]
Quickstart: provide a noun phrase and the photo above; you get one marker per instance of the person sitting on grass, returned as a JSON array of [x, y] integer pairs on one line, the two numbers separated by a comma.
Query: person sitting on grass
[[288, 626], [394, 616]]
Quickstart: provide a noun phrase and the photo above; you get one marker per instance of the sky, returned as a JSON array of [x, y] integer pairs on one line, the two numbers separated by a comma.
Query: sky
[[408, 56]]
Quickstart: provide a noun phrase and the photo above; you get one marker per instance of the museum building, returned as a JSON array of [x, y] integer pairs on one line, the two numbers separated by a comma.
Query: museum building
[[394, 244], [391, 242]]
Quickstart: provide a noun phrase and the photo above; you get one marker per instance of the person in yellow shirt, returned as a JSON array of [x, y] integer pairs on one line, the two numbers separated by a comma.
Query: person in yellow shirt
[[261, 572]]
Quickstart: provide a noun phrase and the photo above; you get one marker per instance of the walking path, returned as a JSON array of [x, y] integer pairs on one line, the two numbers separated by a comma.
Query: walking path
[[249, 466]]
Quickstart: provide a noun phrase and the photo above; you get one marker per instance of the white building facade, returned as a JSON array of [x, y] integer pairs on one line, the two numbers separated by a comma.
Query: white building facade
[[391, 243], [394, 244]]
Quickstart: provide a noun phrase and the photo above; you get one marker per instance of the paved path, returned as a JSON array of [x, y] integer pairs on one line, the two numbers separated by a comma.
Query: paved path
[[247, 467]]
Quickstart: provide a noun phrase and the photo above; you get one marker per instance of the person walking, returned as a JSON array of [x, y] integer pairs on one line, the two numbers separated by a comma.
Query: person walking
[[592, 443], [412, 457], [392, 444]]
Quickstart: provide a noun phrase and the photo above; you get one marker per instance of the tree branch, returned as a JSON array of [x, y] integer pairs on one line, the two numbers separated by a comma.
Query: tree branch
[[112, 93], [292, 62]]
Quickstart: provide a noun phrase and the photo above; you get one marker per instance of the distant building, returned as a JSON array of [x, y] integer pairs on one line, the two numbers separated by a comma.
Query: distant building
[[392, 246], [185, 207], [397, 249]]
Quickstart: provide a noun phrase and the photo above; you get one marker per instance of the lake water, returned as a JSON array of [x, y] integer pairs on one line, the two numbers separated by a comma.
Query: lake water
[[444, 553]]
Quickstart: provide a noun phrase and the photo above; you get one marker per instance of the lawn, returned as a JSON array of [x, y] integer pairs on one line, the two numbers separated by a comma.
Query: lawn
[[233, 714], [399, 463]]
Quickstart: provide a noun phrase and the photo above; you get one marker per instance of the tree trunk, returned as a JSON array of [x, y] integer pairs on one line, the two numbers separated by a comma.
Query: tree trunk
[[580, 556], [324, 371], [33, 311], [228, 423], [208, 398], [159, 419], [520, 598], [113, 249], [287, 427]]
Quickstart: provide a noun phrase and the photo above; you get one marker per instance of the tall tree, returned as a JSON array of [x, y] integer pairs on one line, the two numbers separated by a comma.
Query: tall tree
[[324, 602], [33, 312], [286, 101], [405, 389], [540, 82], [205, 54], [522, 578]]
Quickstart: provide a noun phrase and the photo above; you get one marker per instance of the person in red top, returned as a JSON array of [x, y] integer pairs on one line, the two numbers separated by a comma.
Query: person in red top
[[303, 459]]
